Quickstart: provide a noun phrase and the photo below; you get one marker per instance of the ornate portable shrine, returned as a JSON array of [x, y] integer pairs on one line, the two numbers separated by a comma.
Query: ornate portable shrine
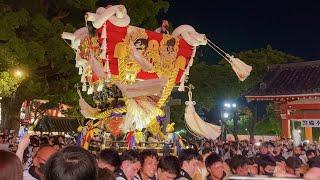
[[132, 71]]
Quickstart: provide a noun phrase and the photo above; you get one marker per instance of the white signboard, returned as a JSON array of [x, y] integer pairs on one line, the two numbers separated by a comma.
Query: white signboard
[[310, 123]]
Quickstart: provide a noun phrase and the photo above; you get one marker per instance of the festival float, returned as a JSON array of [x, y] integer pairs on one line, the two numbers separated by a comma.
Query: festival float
[[131, 72]]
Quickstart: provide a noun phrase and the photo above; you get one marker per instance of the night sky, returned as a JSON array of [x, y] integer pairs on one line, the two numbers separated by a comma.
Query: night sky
[[289, 26]]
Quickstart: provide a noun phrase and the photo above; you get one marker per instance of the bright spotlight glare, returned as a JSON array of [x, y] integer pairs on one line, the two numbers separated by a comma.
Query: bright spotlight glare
[[299, 130], [225, 115], [257, 143], [227, 105], [234, 105], [19, 73]]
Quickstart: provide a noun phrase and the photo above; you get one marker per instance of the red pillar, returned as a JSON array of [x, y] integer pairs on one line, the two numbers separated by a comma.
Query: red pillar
[[285, 122], [285, 126]]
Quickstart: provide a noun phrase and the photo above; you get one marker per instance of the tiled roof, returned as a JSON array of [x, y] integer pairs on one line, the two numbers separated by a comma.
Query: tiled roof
[[57, 124], [289, 79]]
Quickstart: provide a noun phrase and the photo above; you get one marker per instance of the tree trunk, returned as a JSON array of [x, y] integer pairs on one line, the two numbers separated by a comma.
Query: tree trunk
[[235, 127], [10, 113], [254, 122]]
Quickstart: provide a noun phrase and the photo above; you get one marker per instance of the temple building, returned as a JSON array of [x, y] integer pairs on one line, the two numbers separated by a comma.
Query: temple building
[[296, 88]]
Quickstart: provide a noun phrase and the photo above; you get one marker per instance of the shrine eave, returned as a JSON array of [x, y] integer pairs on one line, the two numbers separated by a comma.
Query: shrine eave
[[281, 98]]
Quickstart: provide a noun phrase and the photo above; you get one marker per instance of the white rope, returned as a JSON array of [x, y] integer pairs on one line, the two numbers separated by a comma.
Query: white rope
[[219, 53], [216, 46]]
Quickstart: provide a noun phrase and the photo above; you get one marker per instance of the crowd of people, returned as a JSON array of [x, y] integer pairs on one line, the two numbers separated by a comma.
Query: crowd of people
[[54, 158]]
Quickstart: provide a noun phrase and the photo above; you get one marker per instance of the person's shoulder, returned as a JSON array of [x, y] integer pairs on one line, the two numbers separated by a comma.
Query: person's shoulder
[[137, 177], [120, 178], [27, 175], [181, 178]]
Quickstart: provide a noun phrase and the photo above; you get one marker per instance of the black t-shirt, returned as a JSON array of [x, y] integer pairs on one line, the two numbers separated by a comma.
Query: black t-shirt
[[184, 175], [32, 172]]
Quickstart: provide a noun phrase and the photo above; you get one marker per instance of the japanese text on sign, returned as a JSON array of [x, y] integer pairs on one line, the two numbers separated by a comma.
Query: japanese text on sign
[[310, 123]]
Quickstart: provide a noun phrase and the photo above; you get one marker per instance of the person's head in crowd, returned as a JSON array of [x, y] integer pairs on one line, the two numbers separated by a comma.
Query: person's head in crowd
[[239, 165], [310, 154], [44, 141], [131, 162], [264, 148], [280, 164], [41, 158], [109, 158], [56, 144], [206, 152], [214, 165], [34, 140], [61, 139], [226, 147], [252, 166], [188, 159], [51, 139], [2, 138], [150, 163], [10, 166], [293, 165], [6, 131], [72, 163], [277, 151], [106, 174], [312, 174], [168, 168], [266, 165], [314, 162], [207, 144], [297, 150]]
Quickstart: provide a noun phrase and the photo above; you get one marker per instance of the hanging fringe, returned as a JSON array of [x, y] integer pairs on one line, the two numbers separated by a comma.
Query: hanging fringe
[[185, 75], [80, 70], [90, 90], [103, 55], [100, 87], [84, 87], [104, 45], [83, 77], [104, 31], [181, 86]]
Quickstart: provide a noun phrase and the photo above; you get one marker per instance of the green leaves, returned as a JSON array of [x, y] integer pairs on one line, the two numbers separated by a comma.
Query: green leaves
[[143, 12], [8, 84], [11, 21]]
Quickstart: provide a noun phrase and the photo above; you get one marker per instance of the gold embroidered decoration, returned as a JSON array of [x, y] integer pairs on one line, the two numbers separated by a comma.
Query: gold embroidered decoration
[[152, 55], [139, 39], [168, 53]]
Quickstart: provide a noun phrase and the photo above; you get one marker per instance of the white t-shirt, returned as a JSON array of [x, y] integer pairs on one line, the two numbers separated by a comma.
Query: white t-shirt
[[27, 175]]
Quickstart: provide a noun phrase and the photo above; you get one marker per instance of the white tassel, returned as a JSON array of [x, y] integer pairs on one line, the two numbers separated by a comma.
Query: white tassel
[[191, 61], [80, 70], [106, 65], [90, 90], [100, 87], [187, 70], [103, 55], [104, 31], [104, 45], [181, 87], [84, 87], [83, 78], [194, 52], [108, 77]]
